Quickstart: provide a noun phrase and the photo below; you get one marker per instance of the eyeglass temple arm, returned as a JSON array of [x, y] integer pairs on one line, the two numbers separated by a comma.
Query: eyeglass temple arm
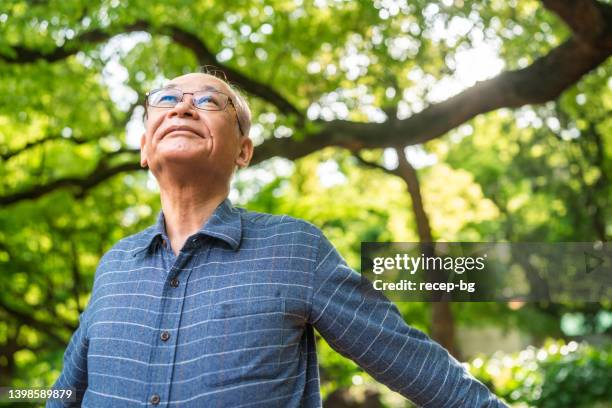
[[237, 118]]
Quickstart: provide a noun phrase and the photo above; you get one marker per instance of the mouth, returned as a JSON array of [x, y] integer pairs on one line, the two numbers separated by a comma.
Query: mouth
[[181, 130]]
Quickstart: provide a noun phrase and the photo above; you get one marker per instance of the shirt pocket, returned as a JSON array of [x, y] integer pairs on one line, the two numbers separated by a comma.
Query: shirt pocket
[[244, 341]]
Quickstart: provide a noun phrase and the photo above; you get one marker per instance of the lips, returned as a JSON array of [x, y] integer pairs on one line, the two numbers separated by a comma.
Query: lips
[[181, 128]]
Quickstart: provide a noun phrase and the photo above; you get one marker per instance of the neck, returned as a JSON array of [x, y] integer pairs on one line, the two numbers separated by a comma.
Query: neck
[[186, 208]]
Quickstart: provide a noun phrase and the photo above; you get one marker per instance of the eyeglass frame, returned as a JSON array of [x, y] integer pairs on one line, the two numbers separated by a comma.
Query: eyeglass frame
[[229, 100]]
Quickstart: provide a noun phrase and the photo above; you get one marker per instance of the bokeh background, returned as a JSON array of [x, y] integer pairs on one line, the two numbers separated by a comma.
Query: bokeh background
[[384, 120]]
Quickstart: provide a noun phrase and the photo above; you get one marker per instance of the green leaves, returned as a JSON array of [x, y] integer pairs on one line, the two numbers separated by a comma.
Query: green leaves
[[556, 375], [73, 73]]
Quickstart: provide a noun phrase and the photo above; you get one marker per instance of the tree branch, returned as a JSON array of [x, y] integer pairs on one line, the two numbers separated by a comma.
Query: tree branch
[[6, 155], [206, 57], [27, 318], [26, 55], [588, 19], [374, 165], [102, 172], [179, 35], [540, 82]]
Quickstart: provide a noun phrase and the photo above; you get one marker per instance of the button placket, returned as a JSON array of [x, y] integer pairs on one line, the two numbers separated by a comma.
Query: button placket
[[172, 290]]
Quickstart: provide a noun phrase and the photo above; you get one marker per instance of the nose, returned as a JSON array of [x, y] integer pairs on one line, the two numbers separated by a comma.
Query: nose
[[184, 108]]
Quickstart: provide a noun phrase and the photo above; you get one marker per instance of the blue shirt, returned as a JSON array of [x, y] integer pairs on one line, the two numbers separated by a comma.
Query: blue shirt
[[230, 321]]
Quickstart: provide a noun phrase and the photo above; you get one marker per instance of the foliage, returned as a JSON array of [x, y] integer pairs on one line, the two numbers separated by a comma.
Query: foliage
[[69, 129], [557, 375]]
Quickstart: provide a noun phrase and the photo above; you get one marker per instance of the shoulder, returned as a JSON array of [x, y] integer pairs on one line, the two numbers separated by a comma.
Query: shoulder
[[272, 223], [122, 256], [260, 219], [127, 247]]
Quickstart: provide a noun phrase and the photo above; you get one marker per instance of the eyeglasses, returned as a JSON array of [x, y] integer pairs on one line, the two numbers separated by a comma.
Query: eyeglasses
[[205, 100]]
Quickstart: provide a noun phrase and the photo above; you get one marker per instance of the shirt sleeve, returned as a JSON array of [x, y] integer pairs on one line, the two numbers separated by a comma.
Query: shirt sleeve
[[74, 370], [362, 324]]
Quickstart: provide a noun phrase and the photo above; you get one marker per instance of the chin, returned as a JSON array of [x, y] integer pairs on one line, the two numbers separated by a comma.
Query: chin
[[179, 149], [179, 157]]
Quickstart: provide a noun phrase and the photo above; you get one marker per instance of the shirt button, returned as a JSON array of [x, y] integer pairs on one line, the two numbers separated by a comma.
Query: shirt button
[[164, 336], [154, 399], [174, 283]]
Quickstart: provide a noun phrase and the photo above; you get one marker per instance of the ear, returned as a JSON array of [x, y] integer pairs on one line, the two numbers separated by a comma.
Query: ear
[[143, 153], [246, 152]]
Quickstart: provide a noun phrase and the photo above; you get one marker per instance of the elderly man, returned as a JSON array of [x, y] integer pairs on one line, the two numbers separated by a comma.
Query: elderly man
[[216, 306]]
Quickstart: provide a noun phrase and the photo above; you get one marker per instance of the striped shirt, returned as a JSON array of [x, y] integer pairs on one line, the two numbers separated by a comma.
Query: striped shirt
[[229, 322]]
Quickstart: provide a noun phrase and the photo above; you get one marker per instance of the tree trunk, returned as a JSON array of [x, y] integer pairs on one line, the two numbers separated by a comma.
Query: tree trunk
[[442, 321]]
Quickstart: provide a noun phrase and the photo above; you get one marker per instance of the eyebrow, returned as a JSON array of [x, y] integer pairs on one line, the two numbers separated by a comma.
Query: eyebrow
[[204, 88]]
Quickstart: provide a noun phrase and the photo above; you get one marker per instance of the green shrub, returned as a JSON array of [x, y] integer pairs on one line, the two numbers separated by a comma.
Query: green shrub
[[557, 375]]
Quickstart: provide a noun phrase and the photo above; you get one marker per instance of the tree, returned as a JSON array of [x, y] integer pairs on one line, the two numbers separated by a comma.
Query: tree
[[588, 45], [358, 75]]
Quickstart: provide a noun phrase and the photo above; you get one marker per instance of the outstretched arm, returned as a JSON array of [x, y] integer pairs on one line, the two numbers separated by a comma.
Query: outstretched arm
[[362, 324]]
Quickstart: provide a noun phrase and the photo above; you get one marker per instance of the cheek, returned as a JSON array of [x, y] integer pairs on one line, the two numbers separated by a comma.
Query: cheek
[[226, 125], [153, 121], [148, 141]]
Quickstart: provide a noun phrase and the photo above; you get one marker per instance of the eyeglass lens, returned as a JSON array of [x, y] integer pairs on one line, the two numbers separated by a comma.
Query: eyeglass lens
[[207, 100]]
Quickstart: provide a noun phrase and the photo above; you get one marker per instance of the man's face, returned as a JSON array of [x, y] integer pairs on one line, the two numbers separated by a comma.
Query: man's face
[[204, 141]]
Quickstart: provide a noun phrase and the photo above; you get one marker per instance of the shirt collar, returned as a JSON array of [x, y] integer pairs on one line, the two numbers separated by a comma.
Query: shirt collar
[[225, 224]]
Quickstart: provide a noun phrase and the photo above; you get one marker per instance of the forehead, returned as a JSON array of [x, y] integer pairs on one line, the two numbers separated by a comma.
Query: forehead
[[198, 81]]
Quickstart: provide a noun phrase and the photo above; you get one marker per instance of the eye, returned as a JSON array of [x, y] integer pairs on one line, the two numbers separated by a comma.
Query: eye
[[169, 98], [165, 98], [210, 101], [204, 99]]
